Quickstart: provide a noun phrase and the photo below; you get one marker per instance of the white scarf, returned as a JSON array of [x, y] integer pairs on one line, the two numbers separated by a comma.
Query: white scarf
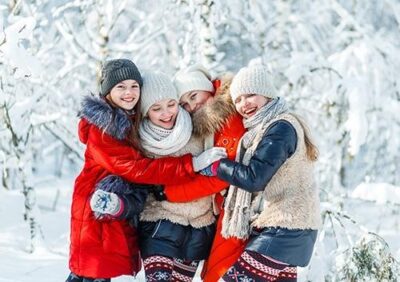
[[163, 142], [239, 205]]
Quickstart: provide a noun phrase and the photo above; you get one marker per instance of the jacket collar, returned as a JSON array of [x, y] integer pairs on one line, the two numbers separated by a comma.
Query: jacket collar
[[114, 121], [213, 116]]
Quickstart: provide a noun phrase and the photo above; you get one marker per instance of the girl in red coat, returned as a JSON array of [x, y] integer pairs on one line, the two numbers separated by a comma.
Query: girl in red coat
[[100, 250], [217, 122]]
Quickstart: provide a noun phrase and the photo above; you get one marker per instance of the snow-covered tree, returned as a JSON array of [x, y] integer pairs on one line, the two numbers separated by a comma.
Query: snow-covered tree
[[335, 61], [19, 101]]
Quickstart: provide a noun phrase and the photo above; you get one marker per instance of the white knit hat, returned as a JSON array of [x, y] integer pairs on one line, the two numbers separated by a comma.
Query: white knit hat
[[195, 77], [157, 86], [254, 79]]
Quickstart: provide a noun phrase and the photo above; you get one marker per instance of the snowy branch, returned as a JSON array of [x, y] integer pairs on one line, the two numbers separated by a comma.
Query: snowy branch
[[67, 141]]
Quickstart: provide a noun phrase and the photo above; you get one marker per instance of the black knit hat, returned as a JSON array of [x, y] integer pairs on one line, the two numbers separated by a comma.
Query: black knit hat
[[115, 71]]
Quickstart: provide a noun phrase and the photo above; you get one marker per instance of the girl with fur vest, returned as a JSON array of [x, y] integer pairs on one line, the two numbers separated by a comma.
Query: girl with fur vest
[[215, 121], [173, 237], [100, 250], [273, 199]]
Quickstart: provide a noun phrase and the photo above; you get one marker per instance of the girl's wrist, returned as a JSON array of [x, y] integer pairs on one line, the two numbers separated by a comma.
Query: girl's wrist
[[214, 167]]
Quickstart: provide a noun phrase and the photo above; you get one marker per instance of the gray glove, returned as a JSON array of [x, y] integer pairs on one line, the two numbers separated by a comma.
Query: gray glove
[[208, 157]]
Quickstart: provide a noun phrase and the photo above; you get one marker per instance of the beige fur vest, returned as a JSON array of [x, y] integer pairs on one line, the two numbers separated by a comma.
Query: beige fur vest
[[291, 197], [198, 213]]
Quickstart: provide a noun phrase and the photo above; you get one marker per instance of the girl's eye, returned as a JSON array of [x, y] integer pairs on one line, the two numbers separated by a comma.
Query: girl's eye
[[193, 96], [171, 105], [120, 86], [135, 86], [155, 109]]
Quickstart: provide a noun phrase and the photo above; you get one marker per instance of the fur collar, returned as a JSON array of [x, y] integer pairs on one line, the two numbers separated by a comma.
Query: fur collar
[[212, 117], [114, 121]]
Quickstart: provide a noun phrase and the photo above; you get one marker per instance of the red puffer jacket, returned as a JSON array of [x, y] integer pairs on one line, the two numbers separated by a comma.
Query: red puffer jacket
[[105, 249], [220, 119]]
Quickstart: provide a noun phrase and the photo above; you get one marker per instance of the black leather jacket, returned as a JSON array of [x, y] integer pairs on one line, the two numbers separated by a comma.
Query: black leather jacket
[[276, 146]]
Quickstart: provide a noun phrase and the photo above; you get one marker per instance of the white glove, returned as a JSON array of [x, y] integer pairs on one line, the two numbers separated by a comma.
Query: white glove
[[105, 202], [208, 157]]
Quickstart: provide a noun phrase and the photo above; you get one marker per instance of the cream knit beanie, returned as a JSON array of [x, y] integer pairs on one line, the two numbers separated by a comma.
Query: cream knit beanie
[[157, 86], [195, 77], [254, 79]]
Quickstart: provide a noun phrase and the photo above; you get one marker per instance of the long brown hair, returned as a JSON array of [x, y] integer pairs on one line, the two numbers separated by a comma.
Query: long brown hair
[[311, 148], [133, 137]]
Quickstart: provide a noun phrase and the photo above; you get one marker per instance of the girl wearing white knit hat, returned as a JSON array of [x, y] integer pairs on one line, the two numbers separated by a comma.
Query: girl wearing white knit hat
[[273, 200], [195, 87], [173, 237]]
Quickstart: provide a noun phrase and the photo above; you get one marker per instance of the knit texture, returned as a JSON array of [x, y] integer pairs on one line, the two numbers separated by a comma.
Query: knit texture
[[163, 141], [195, 77], [238, 203], [253, 80], [115, 71], [157, 86], [252, 266]]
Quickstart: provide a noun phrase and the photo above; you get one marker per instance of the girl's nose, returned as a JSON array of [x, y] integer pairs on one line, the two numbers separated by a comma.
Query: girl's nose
[[130, 91], [192, 107]]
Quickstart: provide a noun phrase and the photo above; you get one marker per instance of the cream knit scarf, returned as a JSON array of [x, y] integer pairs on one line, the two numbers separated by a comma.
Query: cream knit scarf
[[163, 142], [238, 210]]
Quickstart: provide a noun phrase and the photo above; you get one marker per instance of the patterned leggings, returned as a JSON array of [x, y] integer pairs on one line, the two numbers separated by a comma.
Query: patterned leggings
[[75, 278], [255, 267], [160, 268]]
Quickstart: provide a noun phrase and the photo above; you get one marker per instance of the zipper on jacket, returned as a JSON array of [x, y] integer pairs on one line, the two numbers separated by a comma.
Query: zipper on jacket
[[155, 231]]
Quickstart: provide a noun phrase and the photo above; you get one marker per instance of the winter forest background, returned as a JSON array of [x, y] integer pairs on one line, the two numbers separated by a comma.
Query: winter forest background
[[337, 62]]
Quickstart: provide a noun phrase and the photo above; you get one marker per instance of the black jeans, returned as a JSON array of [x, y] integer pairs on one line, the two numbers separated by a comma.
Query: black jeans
[[75, 278]]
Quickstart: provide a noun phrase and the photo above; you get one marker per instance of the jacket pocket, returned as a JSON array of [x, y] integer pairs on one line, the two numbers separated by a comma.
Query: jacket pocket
[[156, 229], [169, 232]]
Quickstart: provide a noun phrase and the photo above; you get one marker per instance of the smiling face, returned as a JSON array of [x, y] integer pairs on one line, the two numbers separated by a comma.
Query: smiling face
[[194, 100], [163, 113], [248, 104], [125, 94]]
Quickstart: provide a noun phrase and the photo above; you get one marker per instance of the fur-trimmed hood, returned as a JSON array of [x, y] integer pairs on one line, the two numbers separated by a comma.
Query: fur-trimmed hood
[[211, 117], [114, 121]]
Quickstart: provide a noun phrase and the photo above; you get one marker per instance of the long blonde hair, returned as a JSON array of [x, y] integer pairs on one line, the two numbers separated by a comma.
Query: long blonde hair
[[311, 148]]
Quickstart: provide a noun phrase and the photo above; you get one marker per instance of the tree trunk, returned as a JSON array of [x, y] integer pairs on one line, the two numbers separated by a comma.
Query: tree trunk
[[29, 215]]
